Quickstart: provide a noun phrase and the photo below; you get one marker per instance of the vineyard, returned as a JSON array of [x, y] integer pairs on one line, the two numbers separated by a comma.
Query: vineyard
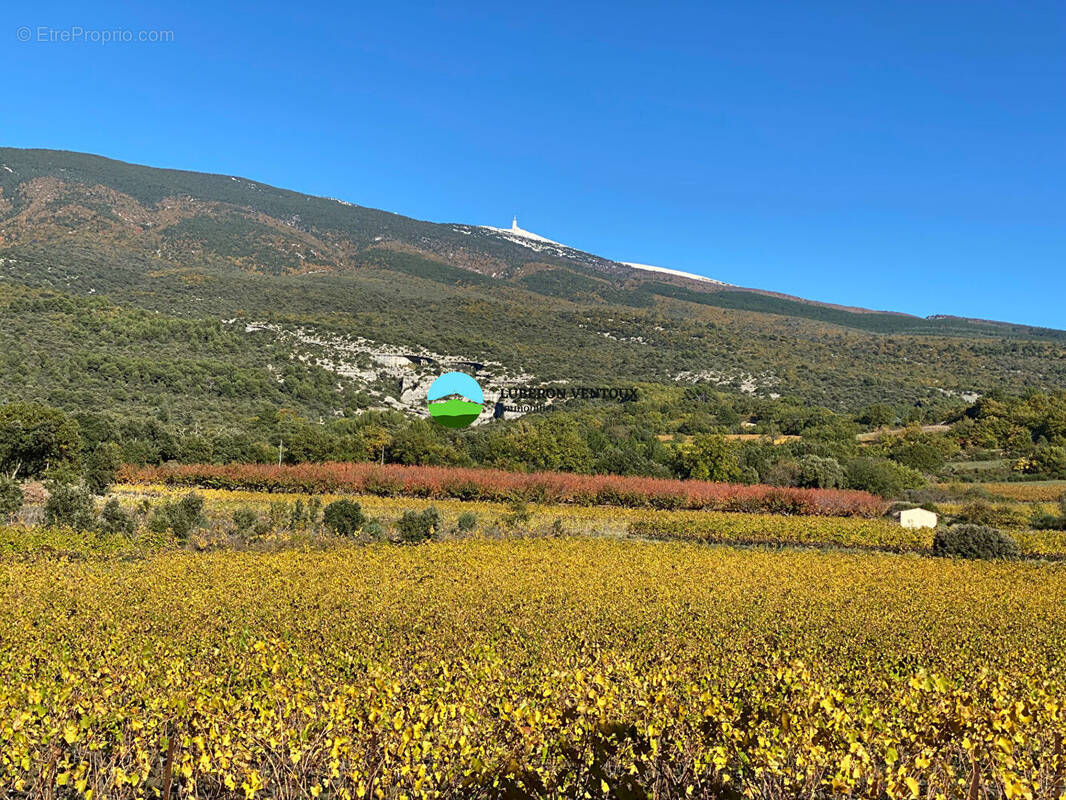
[[498, 485], [874, 534], [562, 668], [1030, 492]]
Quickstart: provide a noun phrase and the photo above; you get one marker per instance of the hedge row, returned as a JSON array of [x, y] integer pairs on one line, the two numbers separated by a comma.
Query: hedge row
[[497, 485]]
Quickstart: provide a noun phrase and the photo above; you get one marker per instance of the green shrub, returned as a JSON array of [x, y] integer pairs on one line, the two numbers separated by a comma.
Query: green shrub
[[749, 475], [279, 514], [520, 513], [305, 514], [375, 530], [296, 514], [708, 457], [1048, 522], [419, 526], [70, 504], [974, 541], [344, 517], [181, 517], [244, 519], [10, 497], [190, 513], [925, 456], [101, 467], [115, 519], [35, 438], [881, 477], [816, 472], [783, 473], [314, 509], [467, 522], [65, 473]]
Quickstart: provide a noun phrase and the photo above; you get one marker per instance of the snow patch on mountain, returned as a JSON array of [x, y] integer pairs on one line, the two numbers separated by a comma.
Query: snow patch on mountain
[[677, 272], [540, 243]]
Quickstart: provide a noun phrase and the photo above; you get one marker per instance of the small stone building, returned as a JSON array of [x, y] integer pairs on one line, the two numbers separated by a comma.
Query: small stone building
[[917, 518]]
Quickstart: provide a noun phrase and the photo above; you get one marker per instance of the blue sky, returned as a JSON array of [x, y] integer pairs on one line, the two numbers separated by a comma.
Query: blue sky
[[906, 156]]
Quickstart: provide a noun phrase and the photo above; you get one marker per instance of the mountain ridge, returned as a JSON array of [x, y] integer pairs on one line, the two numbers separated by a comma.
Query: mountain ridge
[[372, 302], [81, 167]]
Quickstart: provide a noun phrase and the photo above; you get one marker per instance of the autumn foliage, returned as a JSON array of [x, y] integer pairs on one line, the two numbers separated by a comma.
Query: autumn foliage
[[544, 668], [498, 485]]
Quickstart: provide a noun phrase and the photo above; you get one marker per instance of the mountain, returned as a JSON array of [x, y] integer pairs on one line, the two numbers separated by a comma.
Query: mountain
[[216, 294]]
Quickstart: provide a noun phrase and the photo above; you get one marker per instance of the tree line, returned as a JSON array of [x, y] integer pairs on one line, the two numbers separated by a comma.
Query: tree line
[[666, 435]]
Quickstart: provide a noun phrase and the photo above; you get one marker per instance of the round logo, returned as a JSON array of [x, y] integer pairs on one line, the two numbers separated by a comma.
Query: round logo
[[455, 400]]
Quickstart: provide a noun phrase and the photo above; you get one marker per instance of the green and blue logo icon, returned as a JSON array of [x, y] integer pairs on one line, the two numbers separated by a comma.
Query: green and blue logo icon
[[455, 400]]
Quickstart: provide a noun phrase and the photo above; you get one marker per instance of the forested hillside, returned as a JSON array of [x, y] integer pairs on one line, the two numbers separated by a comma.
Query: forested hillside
[[153, 316], [209, 317], [211, 248]]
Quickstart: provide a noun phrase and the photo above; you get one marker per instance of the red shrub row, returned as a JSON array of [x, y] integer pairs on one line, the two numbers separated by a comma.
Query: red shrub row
[[497, 485]]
